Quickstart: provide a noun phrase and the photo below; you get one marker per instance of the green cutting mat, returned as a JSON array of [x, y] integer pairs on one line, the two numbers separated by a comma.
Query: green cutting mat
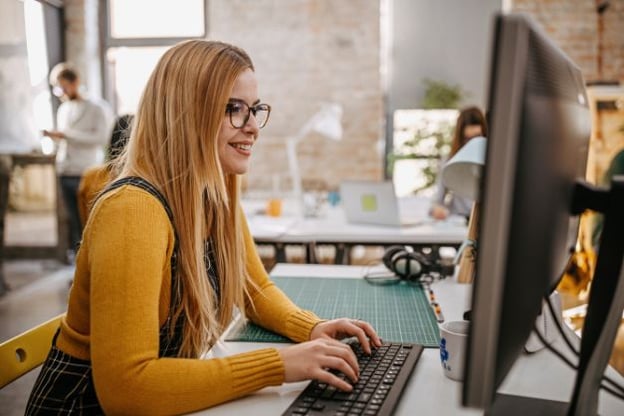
[[399, 313]]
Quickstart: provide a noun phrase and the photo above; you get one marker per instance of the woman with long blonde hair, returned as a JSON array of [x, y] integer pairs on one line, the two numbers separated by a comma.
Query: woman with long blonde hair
[[166, 256]]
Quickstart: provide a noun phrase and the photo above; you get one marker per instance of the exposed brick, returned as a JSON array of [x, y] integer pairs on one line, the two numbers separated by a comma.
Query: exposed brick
[[306, 52], [309, 51], [573, 25]]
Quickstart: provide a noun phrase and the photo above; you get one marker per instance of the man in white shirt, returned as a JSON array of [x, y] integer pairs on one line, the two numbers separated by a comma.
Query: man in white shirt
[[85, 128]]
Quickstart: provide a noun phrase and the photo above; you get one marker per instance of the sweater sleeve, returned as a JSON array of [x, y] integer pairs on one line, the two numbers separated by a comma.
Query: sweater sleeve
[[268, 306], [129, 244]]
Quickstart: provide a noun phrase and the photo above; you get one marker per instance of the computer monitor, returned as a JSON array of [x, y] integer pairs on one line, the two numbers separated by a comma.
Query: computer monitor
[[536, 155]]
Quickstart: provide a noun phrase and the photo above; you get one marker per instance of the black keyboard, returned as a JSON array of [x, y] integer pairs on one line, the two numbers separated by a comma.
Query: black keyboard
[[383, 376]]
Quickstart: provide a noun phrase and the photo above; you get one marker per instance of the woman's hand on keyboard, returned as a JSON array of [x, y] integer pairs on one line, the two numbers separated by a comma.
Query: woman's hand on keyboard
[[345, 328], [312, 359]]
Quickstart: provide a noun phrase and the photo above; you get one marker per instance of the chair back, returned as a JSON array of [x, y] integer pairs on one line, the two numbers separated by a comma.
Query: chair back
[[26, 351]]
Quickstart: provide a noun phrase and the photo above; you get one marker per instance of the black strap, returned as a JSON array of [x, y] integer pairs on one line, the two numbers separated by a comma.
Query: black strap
[[146, 186], [143, 184]]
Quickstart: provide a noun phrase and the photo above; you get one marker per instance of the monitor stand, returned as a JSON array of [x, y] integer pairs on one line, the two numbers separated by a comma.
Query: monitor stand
[[604, 312], [606, 298], [506, 404]]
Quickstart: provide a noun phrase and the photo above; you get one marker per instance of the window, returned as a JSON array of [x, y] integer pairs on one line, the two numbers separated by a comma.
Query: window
[[38, 64], [421, 138], [156, 19], [131, 66], [138, 34]]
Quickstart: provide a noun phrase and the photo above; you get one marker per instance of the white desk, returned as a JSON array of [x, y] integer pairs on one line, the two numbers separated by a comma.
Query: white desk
[[428, 391], [332, 228]]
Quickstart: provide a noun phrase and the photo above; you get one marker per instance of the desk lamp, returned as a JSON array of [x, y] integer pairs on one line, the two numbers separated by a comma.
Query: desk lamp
[[461, 174], [327, 123]]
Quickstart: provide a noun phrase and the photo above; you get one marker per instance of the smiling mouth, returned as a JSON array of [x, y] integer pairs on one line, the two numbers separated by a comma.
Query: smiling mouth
[[245, 147]]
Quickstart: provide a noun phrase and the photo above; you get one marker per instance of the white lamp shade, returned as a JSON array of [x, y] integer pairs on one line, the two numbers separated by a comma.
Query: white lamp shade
[[327, 121], [462, 173]]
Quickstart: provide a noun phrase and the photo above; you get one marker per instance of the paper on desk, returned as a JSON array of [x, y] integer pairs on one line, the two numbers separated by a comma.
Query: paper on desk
[[262, 226]]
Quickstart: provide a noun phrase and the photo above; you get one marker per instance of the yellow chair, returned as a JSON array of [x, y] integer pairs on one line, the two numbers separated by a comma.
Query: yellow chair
[[26, 351]]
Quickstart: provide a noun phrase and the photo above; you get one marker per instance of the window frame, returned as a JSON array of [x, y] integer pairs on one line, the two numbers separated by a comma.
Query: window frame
[[107, 42], [111, 42]]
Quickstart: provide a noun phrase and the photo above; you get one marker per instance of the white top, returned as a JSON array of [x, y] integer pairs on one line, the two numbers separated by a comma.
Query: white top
[[87, 127]]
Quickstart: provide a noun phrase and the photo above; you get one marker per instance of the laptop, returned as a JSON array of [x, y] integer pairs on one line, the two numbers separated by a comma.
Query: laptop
[[374, 202]]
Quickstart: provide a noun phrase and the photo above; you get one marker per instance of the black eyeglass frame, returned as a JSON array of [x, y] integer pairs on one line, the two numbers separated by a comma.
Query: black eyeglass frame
[[250, 110]]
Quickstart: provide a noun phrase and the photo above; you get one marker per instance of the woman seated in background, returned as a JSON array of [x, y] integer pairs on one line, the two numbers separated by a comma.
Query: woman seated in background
[[471, 123], [167, 256]]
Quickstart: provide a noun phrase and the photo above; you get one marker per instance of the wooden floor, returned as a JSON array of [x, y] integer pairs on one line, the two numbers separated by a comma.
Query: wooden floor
[[38, 292]]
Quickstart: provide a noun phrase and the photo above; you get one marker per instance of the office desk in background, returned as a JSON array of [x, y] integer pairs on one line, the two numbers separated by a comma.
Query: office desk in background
[[428, 391], [8, 162], [332, 228]]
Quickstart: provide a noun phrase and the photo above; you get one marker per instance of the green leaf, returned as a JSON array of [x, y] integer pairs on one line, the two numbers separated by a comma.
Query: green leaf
[[439, 94]]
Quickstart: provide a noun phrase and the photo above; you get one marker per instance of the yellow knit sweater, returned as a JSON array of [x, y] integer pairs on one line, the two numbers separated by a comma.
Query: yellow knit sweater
[[92, 182], [120, 298]]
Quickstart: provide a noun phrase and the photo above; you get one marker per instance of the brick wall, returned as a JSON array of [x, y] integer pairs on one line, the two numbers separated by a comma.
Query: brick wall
[[309, 51], [306, 52], [573, 25], [82, 42], [613, 41]]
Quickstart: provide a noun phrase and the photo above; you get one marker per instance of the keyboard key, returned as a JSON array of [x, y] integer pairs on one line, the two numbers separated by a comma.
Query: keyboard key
[[318, 406], [329, 392], [383, 374], [364, 398]]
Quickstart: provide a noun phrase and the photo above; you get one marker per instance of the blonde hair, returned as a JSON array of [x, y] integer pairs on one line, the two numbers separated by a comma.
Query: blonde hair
[[173, 145]]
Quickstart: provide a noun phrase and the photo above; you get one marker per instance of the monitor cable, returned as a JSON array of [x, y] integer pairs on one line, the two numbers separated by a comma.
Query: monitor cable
[[551, 309], [616, 390]]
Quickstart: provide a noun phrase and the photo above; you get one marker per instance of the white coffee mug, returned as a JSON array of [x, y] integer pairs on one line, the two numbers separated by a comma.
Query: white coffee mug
[[453, 337]]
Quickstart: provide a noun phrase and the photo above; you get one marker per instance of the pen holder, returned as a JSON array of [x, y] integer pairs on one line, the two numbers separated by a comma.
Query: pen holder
[[468, 252]]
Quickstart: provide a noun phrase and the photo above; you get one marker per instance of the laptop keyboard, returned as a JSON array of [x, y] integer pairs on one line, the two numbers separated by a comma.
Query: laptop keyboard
[[383, 376]]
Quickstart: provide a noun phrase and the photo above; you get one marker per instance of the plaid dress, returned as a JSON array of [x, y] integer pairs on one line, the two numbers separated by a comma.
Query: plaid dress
[[65, 383]]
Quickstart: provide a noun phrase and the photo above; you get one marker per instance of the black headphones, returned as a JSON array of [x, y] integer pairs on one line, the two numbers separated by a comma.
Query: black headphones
[[407, 264]]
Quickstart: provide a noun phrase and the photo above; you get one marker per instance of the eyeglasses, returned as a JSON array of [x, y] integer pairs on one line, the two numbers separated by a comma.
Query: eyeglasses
[[240, 112]]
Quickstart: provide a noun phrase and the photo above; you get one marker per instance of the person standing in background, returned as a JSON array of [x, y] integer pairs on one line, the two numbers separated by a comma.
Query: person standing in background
[[83, 129], [471, 123]]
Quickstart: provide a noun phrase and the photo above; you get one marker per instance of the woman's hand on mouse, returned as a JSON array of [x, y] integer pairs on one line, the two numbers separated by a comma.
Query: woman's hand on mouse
[[345, 328]]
